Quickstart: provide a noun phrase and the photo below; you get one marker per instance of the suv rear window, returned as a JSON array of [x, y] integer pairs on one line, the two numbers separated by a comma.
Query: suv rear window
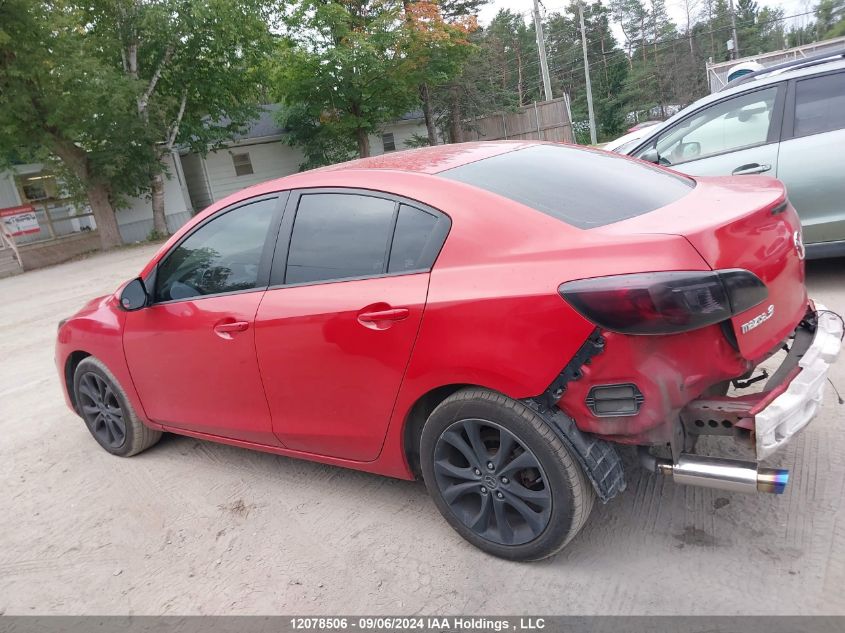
[[580, 187]]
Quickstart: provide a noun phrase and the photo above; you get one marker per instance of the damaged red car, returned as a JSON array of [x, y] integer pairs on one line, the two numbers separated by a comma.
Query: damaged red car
[[496, 318]]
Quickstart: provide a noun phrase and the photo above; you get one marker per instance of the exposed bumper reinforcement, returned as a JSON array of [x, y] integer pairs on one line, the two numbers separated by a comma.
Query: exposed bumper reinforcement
[[791, 397]]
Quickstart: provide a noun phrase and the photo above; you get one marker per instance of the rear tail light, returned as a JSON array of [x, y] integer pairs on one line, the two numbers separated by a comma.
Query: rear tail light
[[664, 302]]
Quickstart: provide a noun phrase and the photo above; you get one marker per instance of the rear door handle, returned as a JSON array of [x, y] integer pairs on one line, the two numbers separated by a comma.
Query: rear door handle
[[382, 319], [224, 329], [393, 314], [750, 168]]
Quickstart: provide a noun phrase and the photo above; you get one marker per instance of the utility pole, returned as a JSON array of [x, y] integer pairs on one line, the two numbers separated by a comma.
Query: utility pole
[[541, 46], [587, 76], [735, 51]]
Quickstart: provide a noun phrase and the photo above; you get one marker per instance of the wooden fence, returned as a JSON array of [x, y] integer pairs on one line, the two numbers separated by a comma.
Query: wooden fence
[[544, 120]]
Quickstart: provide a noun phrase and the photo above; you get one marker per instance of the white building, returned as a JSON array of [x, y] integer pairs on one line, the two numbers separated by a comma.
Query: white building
[[43, 227], [261, 154]]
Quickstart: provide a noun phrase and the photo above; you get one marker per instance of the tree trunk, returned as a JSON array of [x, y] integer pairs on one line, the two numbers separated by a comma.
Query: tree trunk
[[456, 132], [363, 143], [425, 97], [99, 200], [98, 194], [157, 193]]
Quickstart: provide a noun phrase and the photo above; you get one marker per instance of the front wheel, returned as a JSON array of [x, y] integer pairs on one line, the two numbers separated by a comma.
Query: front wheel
[[104, 407], [501, 476]]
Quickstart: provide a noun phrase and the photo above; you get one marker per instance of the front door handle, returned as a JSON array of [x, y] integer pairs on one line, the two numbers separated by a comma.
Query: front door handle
[[750, 168], [382, 319], [224, 329]]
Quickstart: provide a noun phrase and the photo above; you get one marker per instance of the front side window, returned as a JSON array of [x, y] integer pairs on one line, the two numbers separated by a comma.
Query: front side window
[[338, 236], [223, 255], [730, 125], [819, 104]]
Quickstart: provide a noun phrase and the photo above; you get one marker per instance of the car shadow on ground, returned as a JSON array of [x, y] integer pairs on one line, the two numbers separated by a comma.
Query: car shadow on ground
[[651, 512], [826, 273]]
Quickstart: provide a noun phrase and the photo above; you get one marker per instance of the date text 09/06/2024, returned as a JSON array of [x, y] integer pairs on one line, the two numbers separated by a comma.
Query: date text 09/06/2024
[[453, 623]]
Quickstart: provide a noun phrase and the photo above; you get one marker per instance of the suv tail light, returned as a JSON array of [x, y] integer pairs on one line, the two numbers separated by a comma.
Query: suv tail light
[[664, 302]]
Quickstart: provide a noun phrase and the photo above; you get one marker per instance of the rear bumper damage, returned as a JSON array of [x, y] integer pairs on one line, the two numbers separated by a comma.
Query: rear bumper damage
[[771, 418], [790, 398]]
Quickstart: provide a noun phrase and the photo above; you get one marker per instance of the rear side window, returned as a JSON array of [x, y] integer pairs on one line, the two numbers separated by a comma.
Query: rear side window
[[412, 240], [820, 104], [580, 187]]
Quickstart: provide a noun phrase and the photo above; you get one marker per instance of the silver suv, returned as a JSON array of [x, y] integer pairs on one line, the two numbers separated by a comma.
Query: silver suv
[[786, 121]]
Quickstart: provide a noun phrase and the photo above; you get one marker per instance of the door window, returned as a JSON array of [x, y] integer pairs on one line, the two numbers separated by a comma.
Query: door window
[[338, 236], [820, 104], [727, 126], [222, 255], [351, 235]]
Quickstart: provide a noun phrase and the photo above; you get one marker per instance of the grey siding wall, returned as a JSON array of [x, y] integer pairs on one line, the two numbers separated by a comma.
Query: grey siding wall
[[270, 160]]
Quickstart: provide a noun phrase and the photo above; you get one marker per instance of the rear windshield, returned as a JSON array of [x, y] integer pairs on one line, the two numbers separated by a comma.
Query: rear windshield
[[583, 188]]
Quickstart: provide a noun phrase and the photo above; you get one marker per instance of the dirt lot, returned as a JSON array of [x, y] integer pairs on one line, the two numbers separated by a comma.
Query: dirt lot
[[193, 528]]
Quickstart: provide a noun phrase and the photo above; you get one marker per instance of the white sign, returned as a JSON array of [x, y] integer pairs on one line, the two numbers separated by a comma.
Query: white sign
[[19, 221]]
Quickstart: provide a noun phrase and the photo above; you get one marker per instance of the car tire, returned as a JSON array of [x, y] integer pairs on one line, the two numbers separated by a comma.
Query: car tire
[[103, 405], [524, 504]]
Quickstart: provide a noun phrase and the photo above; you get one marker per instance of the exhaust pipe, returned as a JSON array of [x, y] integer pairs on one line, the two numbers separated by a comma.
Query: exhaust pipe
[[717, 472]]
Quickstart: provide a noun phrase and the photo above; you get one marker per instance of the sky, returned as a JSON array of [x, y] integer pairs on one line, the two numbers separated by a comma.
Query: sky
[[790, 7]]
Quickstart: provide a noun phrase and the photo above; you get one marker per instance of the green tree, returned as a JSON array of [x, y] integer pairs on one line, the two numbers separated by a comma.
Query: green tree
[[438, 47], [343, 65], [60, 98], [609, 66], [195, 66], [109, 87], [830, 19]]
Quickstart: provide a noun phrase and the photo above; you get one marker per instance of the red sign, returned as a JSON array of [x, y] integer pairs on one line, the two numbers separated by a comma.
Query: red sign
[[19, 220]]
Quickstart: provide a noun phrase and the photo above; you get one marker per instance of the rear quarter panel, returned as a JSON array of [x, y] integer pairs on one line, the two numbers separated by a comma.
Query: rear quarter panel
[[494, 317]]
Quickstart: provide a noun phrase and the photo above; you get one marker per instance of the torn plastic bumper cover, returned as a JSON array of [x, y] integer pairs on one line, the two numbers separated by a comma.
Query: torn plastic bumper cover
[[776, 421], [791, 397]]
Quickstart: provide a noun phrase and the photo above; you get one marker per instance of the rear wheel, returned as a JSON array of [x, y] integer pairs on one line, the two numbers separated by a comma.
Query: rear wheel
[[501, 477], [103, 405]]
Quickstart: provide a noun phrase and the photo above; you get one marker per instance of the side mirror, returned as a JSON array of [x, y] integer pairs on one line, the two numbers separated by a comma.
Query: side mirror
[[651, 156], [134, 295]]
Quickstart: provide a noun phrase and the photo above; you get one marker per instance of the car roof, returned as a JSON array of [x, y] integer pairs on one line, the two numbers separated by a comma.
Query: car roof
[[769, 79], [776, 76], [434, 159]]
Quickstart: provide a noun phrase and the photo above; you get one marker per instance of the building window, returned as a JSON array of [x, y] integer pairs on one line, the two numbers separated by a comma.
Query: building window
[[37, 187], [243, 166], [388, 142]]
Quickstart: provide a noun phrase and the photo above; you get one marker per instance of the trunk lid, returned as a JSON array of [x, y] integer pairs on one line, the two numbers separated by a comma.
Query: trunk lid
[[742, 222]]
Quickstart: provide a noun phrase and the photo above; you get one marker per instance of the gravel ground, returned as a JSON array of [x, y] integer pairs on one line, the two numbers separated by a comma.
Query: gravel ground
[[192, 527]]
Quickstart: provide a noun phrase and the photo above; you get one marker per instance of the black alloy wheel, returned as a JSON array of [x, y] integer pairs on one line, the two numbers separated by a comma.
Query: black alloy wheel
[[492, 482], [101, 410], [102, 403]]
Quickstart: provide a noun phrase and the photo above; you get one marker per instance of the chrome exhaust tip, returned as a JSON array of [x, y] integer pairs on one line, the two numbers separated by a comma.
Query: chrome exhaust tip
[[718, 472]]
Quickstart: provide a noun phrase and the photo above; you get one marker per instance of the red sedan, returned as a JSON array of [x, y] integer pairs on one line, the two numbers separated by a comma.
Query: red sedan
[[497, 318]]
